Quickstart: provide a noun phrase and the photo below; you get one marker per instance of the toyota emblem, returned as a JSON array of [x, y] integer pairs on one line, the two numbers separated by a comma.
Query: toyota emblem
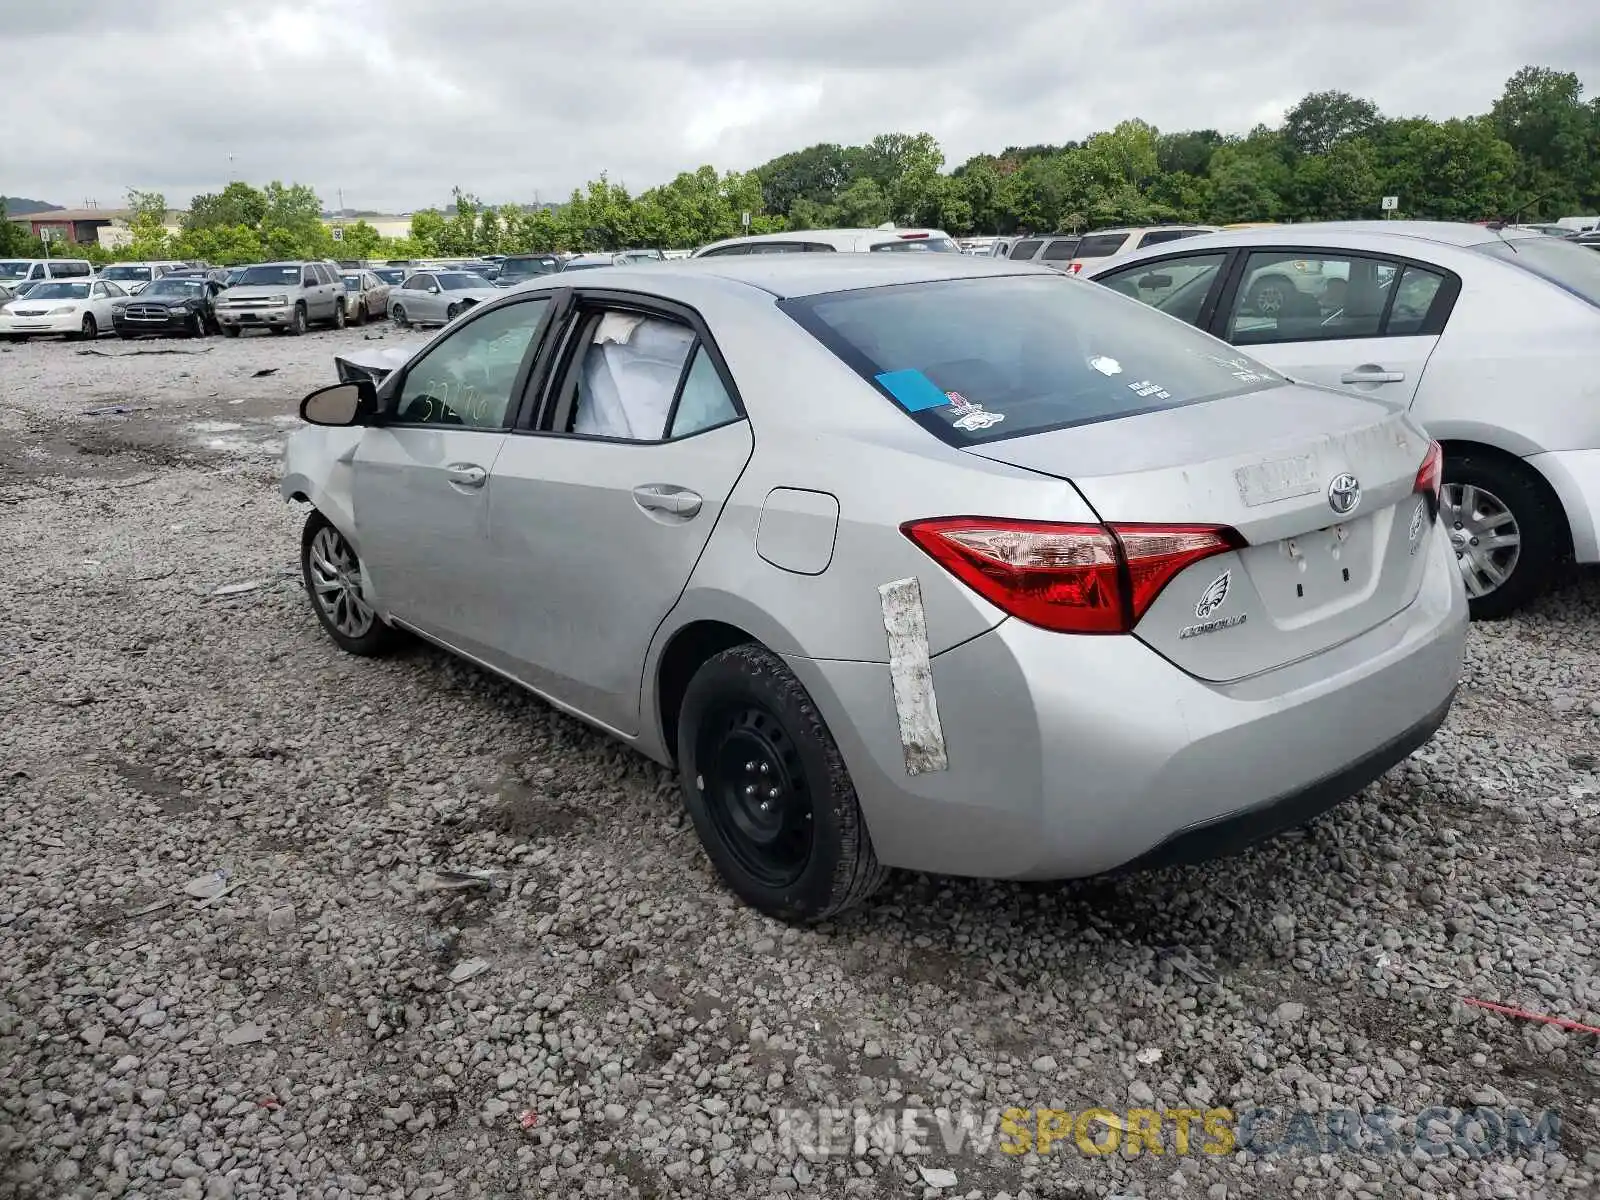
[[1344, 493]]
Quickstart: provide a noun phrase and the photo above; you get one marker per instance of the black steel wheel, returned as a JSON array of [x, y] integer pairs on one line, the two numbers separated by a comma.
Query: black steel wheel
[[769, 792]]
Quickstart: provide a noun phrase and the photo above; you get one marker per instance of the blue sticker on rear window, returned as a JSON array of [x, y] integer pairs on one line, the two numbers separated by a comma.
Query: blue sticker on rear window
[[914, 390]]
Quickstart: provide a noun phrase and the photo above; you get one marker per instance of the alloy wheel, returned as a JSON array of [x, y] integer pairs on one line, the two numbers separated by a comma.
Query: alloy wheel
[[336, 584], [1484, 533]]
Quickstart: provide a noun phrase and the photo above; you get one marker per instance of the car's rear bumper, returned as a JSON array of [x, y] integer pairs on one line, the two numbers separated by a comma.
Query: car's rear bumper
[[1575, 476], [1071, 756]]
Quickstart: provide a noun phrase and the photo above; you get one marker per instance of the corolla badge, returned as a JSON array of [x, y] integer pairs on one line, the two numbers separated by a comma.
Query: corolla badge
[[1211, 599], [1205, 609], [1344, 493]]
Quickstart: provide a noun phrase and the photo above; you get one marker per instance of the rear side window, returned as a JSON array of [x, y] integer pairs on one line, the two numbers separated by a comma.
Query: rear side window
[[724, 251], [70, 270], [980, 360], [1060, 250], [1156, 236], [1101, 245], [786, 247], [1573, 268], [1026, 248]]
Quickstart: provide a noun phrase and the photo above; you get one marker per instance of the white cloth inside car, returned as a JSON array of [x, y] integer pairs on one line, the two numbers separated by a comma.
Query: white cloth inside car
[[629, 376]]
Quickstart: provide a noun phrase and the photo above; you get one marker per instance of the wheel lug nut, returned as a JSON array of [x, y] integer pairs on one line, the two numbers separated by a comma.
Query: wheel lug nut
[[772, 793], [763, 768], [1474, 541], [765, 806], [1458, 554], [1458, 524], [750, 766], [750, 788]]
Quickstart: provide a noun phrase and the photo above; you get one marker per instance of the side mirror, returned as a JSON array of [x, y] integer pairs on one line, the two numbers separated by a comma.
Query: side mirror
[[433, 290], [340, 404], [1153, 283]]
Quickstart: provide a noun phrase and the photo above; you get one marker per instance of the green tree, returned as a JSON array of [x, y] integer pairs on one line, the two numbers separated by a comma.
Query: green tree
[[1246, 186], [1324, 119], [1456, 170], [816, 174], [427, 227], [862, 205], [1542, 117], [147, 233], [237, 204], [15, 241]]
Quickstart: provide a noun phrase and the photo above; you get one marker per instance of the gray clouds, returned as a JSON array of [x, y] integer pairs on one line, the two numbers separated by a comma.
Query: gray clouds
[[394, 101]]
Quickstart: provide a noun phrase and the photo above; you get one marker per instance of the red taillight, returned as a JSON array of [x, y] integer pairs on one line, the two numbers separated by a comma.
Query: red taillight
[[1430, 475], [1074, 267], [1068, 578]]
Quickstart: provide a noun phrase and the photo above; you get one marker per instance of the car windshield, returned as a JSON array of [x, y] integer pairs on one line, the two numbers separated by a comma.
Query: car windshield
[[174, 286], [928, 244], [60, 291], [978, 360], [125, 272], [13, 270], [269, 277], [460, 281], [390, 275], [1568, 266]]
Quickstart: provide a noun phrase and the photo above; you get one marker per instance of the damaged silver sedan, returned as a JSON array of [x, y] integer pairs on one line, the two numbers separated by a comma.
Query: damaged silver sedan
[[922, 561]]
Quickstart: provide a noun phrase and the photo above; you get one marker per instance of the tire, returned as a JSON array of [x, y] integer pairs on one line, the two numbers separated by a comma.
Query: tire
[[89, 330], [451, 313], [1489, 496], [397, 314], [1268, 295], [332, 577], [338, 315], [230, 331], [745, 717], [361, 313], [300, 324], [196, 327]]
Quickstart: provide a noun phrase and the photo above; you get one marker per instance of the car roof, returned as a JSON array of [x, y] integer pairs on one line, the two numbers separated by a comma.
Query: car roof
[[793, 275]]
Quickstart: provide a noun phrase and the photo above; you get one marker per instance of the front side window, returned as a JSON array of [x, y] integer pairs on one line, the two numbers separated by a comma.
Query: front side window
[[466, 379], [1298, 296], [460, 281], [1059, 250], [1175, 286], [1026, 248], [979, 360], [724, 251], [13, 269]]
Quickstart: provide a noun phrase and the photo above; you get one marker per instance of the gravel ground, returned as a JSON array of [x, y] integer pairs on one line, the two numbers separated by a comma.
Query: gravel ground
[[319, 1031]]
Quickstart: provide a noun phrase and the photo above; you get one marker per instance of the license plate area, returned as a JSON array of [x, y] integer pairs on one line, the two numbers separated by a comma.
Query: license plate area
[[1303, 577]]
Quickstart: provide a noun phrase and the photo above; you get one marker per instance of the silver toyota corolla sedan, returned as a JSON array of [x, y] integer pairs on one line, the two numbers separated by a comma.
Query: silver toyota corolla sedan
[[922, 561]]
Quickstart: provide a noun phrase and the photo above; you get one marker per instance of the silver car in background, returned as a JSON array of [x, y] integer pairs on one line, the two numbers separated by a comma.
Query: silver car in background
[[437, 297], [922, 561], [1490, 337]]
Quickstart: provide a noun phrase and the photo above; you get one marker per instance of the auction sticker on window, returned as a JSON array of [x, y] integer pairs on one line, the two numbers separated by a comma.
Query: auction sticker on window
[[914, 390]]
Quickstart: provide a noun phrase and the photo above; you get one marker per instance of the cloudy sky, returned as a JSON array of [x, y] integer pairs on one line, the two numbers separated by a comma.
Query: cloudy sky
[[394, 101]]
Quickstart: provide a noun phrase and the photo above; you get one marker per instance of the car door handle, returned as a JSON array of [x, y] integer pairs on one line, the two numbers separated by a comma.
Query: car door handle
[[466, 475], [1371, 373], [664, 498]]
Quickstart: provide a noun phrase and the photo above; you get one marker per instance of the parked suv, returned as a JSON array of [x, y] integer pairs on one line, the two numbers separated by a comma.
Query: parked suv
[[1072, 252], [285, 297], [18, 273]]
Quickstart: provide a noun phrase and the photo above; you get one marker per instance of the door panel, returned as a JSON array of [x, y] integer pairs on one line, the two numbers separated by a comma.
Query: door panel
[[585, 570], [424, 526], [1385, 367]]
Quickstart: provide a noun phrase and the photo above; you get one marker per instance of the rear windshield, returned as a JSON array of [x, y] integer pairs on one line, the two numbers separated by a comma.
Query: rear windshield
[[980, 360], [529, 267], [935, 244], [1101, 245], [1574, 268]]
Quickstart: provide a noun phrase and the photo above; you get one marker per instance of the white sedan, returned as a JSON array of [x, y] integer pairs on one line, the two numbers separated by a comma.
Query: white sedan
[[70, 307], [1487, 335]]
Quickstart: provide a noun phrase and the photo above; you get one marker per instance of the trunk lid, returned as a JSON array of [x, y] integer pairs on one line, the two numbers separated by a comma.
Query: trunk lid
[[1265, 464]]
